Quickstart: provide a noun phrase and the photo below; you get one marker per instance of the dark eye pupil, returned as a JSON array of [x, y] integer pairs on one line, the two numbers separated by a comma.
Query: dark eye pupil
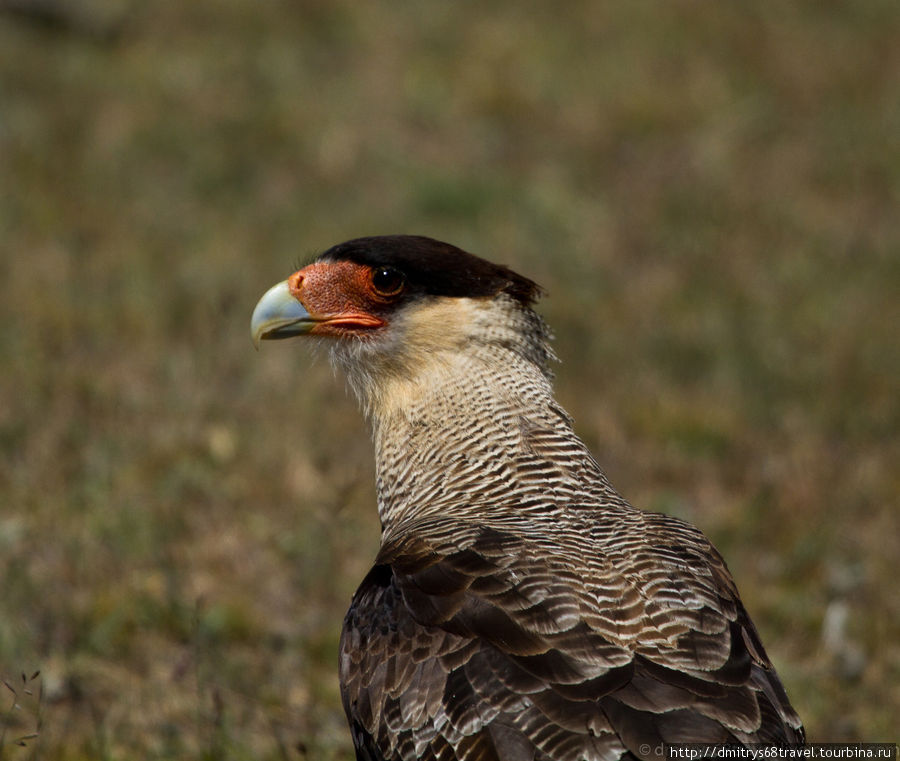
[[387, 281]]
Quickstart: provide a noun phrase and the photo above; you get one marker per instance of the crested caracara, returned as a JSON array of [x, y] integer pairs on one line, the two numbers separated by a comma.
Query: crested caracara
[[519, 607]]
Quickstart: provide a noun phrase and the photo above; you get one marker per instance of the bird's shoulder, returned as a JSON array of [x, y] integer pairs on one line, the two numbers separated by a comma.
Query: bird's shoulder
[[465, 631]]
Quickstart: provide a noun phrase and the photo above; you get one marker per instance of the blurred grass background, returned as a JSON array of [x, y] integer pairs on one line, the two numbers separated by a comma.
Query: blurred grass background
[[709, 192]]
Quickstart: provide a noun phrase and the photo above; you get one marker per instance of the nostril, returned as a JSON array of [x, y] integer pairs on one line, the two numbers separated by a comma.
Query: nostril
[[295, 281]]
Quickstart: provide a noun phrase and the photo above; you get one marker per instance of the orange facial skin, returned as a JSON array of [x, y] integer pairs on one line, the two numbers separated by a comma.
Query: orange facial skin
[[340, 297]]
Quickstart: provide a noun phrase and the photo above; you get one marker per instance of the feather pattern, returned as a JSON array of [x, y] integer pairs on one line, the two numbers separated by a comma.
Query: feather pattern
[[519, 608]]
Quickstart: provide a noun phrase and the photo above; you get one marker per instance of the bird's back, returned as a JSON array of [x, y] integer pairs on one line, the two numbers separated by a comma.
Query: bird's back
[[592, 636]]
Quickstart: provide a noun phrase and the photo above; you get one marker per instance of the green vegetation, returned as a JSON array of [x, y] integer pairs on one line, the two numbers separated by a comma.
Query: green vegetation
[[709, 192]]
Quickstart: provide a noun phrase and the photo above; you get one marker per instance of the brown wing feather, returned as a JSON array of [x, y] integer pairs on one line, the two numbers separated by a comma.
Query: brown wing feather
[[500, 645]]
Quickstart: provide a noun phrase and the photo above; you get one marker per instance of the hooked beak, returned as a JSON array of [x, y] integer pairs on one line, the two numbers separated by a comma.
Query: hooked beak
[[279, 315]]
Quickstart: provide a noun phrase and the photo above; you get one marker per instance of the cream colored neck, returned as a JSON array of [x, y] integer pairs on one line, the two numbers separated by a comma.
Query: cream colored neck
[[464, 420], [477, 435]]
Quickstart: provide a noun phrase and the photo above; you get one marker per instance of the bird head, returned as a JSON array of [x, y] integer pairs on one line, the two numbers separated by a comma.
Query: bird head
[[390, 308]]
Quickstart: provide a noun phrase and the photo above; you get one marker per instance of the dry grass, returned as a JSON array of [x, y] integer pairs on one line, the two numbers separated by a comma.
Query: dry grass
[[709, 192]]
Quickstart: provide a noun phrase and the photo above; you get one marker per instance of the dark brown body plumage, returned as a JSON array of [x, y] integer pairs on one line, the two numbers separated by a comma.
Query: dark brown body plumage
[[483, 643]]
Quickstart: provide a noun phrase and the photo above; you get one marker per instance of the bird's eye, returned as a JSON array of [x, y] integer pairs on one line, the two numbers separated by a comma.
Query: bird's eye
[[387, 281]]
